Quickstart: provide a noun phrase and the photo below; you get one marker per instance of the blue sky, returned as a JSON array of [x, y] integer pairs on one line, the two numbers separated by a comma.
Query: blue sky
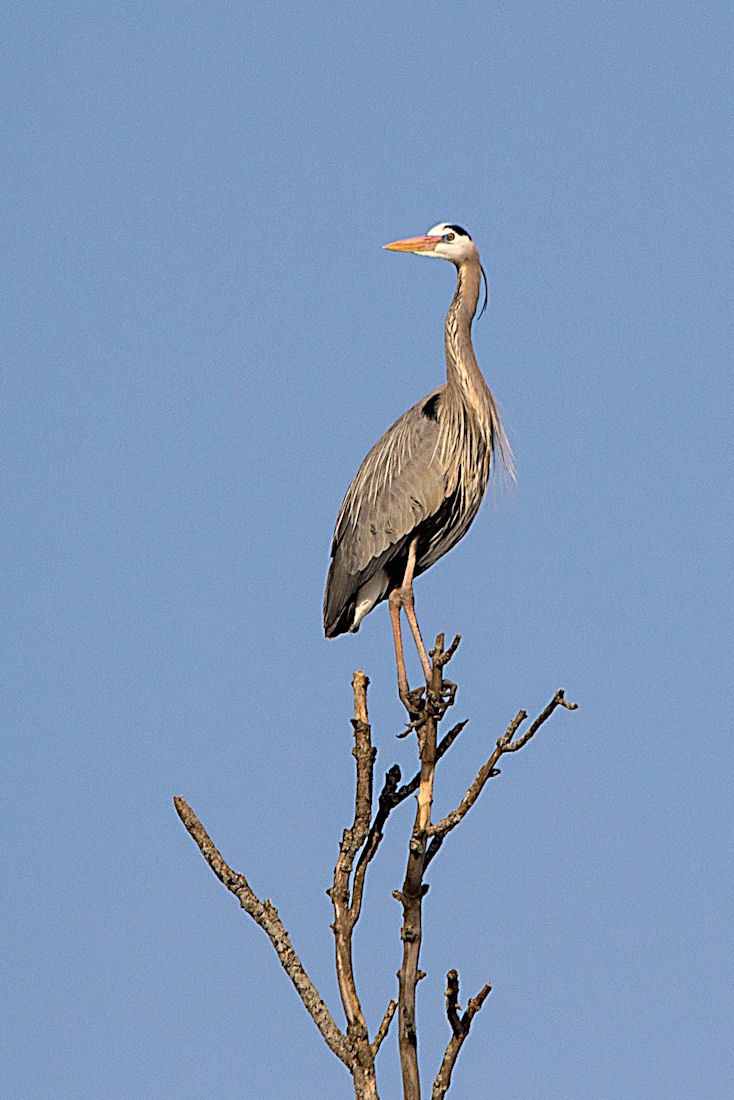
[[203, 338]]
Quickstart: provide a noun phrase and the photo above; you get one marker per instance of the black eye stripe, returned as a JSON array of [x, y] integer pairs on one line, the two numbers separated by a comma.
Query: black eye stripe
[[457, 229]]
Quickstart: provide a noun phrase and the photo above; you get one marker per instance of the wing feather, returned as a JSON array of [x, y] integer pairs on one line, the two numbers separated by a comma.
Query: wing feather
[[400, 483]]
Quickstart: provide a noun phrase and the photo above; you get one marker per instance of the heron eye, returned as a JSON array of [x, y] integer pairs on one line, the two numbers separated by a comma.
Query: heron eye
[[449, 236]]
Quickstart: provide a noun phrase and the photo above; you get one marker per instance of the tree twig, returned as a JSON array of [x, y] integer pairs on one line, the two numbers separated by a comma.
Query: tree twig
[[384, 1027], [459, 1030], [505, 744]]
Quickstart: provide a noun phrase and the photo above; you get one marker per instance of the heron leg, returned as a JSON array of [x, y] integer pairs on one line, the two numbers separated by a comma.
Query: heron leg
[[395, 602], [407, 601]]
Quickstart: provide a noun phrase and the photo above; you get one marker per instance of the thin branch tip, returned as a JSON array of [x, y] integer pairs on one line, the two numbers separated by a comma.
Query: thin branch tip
[[460, 1025], [443, 659], [561, 699], [383, 1028]]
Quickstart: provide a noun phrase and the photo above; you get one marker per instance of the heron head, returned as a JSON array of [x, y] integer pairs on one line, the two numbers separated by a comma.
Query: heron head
[[445, 241]]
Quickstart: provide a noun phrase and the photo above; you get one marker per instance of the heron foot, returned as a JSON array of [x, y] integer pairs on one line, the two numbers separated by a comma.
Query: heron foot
[[413, 701], [448, 693]]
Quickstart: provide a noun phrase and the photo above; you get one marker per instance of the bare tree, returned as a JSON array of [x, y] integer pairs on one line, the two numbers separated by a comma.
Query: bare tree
[[359, 845]]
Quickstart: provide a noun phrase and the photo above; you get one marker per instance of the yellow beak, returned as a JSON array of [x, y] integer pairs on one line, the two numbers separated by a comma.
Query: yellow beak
[[413, 244]]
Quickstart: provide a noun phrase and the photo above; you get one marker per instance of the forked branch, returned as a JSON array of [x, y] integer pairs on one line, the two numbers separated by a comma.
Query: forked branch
[[460, 1025], [505, 744]]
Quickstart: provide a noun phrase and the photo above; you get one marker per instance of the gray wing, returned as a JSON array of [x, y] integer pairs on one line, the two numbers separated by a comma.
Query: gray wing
[[400, 483]]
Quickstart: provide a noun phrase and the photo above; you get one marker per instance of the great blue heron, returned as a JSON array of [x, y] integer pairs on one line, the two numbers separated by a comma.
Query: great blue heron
[[419, 488]]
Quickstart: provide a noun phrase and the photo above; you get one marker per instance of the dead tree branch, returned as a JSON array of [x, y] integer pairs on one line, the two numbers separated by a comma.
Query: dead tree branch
[[384, 1026], [391, 796], [348, 904], [359, 845], [439, 696], [459, 1030], [505, 744]]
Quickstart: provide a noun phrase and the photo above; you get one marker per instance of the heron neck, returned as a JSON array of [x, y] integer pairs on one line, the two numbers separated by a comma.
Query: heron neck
[[463, 375]]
